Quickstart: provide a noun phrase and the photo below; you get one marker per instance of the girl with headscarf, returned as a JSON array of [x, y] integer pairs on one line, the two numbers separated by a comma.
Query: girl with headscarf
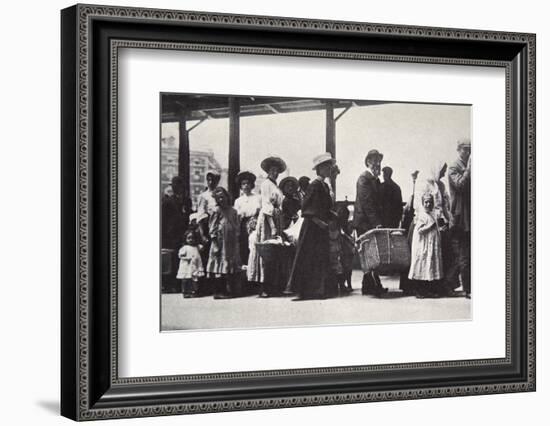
[[435, 186], [426, 260], [442, 213]]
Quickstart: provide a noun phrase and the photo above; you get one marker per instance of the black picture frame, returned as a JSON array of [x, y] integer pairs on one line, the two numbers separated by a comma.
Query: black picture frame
[[90, 386]]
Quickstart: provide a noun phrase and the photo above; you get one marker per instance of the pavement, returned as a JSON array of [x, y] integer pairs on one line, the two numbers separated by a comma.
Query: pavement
[[253, 312]]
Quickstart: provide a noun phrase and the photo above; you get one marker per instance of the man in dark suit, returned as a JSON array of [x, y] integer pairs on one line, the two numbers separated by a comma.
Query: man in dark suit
[[392, 200], [367, 212]]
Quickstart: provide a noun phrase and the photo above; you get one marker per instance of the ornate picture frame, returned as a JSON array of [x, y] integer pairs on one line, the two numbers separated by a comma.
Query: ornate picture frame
[[91, 38]]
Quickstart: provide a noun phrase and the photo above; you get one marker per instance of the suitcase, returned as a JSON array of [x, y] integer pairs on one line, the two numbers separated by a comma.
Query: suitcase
[[384, 250]]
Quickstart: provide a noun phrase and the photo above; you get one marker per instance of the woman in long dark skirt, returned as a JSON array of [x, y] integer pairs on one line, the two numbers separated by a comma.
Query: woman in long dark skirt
[[310, 269]]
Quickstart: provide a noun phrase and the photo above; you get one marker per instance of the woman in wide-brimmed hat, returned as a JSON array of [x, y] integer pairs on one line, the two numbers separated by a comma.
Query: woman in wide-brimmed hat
[[248, 207], [310, 270], [269, 219], [273, 163]]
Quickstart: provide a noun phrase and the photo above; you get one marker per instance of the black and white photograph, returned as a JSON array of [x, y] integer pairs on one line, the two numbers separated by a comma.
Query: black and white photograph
[[290, 212]]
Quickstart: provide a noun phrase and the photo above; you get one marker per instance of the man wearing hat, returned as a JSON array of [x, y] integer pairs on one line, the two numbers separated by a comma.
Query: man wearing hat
[[459, 186], [367, 212]]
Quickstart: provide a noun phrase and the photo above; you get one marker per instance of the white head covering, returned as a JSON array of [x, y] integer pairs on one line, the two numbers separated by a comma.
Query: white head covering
[[429, 181], [434, 174]]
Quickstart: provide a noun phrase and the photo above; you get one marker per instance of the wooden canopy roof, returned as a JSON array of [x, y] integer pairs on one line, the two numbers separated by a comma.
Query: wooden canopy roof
[[202, 107]]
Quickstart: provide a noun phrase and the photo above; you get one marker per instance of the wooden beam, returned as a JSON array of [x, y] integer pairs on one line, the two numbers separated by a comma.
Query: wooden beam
[[342, 113], [234, 146], [183, 154], [197, 124], [272, 108], [331, 136]]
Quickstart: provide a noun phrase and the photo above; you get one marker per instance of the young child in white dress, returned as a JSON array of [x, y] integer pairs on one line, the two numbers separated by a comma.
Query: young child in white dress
[[426, 259], [190, 268]]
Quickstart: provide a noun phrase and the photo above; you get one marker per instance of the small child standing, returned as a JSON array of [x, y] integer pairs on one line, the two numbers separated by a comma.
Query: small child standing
[[190, 268], [348, 248], [341, 251], [426, 259]]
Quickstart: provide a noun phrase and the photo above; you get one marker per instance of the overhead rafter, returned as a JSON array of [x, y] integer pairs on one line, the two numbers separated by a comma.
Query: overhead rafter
[[198, 107]]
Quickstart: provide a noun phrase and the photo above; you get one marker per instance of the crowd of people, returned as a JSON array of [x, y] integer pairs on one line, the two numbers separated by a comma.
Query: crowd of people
[[292, 238]]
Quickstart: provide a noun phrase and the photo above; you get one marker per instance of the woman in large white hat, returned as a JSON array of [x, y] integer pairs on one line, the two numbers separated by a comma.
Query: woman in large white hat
[[269, 219], [310, 270]]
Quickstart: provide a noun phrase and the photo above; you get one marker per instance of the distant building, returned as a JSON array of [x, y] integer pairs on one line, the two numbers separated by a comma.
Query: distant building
[[200, 163], [168, 160]]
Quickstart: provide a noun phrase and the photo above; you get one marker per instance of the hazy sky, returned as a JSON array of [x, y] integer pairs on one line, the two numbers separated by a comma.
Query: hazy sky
[[411, 137]]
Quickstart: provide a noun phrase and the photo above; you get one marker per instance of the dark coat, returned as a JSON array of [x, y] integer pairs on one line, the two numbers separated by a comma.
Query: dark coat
[[310, 268], [174, 222], [317, 201], [392, 204], [368, 205], [459, 185]]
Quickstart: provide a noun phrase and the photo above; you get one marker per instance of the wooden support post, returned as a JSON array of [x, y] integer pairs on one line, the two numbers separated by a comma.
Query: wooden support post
[[234, 146], [331, 136], [183, 155]]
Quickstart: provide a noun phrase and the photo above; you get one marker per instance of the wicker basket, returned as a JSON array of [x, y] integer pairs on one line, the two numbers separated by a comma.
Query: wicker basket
[[384, 250]]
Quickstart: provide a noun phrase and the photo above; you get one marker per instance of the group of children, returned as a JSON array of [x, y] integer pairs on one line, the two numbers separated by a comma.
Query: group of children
[[214, 242], [210, 257]]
